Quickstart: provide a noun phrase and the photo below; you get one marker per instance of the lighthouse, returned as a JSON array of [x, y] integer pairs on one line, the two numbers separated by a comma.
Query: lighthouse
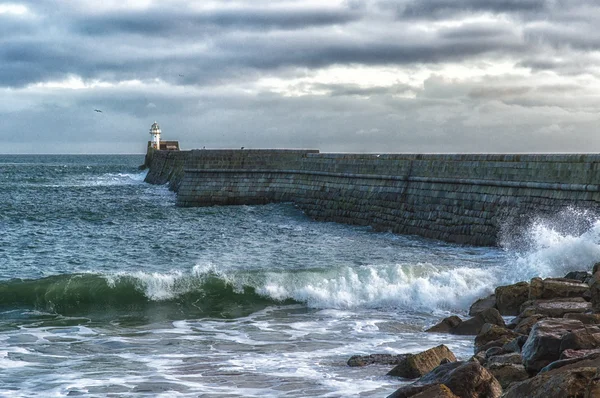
[[155, 133]]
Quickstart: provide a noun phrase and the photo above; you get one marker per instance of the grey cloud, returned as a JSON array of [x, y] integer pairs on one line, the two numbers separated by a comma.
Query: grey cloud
[[445, 8], [181, 23]]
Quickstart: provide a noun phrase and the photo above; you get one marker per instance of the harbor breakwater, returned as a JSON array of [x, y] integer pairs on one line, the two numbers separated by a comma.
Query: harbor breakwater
[[461, 198]]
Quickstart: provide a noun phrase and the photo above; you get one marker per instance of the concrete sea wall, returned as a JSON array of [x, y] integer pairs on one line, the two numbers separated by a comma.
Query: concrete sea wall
[[456, 198]]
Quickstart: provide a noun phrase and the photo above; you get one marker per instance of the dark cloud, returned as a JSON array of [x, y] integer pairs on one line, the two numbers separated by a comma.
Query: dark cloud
[[190, 25], [447, 8]]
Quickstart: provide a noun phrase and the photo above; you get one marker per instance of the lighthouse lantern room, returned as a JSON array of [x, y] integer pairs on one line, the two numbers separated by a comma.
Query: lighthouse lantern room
[[155, 133]]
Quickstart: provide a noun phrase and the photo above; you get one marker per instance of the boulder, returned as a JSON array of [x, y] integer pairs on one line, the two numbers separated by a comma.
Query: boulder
[[543, 344], [571, 354], [555, 308], [446, 325], [494, 351], [473, 325], [552, 288], [417, 365], [595, 291], [493, 333], [587, 319], [524, 325], [380, 359], [437, 391], [507, 374], [513, 358], [465, 379], [580, 276], [556, 383], [581, 339], [590, 360], [510, 298], [515, 345], [595, 268], [482, 304]]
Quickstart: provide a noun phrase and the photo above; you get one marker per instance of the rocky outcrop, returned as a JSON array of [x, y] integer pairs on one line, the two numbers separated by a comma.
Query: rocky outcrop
[[578, 382], [472, 326], [465, 379], [543, 345], [510, 298], [482, 305], [380, 359], [437, 391], [417, 365]]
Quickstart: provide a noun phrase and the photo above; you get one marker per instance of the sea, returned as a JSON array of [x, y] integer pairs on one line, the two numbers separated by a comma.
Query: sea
[[107, 289]]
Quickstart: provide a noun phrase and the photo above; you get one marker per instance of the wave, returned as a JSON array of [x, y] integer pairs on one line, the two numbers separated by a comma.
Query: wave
[[550, 248]]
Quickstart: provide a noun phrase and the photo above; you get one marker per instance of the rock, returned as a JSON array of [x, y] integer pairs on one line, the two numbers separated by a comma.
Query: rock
[[586, 319], [473, 325], [479, 357], [513, 358], [571, 354], [556, 308], [494, 351], [437, 391], [482, 304], [580, 276], [595, 291], [510, 298], [507, 374], [465, 379], [582, 339], [417, 365], [556, 383], [380, 359], [525, 324], [515, 345], [577, 362], [446, 325], [552, 288], [543, 344], [595, 268], [493, 333]]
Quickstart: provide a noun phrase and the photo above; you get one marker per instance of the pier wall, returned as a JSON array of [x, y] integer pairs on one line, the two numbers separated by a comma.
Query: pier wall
[[456, 198]]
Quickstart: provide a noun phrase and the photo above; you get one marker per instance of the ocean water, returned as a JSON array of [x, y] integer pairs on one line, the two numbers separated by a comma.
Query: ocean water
[[108, 289]]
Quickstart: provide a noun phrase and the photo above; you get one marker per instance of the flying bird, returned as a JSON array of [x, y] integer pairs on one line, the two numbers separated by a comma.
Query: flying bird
[[97, 110]]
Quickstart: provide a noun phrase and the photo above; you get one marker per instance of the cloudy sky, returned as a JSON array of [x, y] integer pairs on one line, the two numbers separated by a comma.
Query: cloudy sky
[[337, 75]]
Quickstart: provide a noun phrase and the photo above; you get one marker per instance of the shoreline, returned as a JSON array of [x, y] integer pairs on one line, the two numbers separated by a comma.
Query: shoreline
[[550, 348]]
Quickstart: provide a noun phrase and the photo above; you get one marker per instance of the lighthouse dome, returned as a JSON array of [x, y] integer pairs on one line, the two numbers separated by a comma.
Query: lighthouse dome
[[155, 128]]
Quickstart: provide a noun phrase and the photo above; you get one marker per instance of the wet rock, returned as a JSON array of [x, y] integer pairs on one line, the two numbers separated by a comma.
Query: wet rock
[[446, 325], [553, 288], [515, 345], [494, 351], [581, 339], [465, 379], [524, 325], [581, 276], [556, 383], [571, 354], [417, 365], [437, 391], [473, 325], [513, 358], [479, 357], [587, 319], [543, 344], [590, 360], [556, 308], [380, 359], [510, 298], [508, 374], [595, 291], [493, 333], [482, 304]]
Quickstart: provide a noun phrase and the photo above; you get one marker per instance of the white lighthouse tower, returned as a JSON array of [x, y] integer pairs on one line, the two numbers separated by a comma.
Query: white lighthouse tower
[[155, 133]]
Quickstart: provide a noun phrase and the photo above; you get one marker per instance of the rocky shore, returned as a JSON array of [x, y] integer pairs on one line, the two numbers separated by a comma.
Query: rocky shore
[[551, 348]]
